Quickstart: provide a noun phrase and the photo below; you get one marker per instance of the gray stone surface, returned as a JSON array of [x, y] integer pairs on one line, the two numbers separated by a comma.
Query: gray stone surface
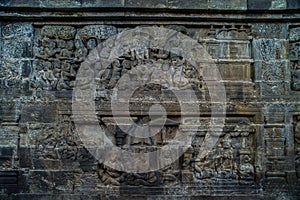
[[256, 52]]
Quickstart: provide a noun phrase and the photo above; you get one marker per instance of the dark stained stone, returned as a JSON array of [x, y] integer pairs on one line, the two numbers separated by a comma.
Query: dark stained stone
[[193, 4], [145, 3], [259, 4], [293, 4], [103, 3]]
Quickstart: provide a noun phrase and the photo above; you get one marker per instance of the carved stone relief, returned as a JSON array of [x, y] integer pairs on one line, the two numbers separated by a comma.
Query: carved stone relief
[[230, 161], [59, 50], [294, 39]]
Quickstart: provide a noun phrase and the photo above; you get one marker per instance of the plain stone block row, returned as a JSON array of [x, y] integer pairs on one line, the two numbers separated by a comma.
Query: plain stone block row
[[171, 4]]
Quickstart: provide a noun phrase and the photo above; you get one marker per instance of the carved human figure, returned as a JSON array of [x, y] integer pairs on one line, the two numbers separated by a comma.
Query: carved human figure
[[246, 170], [80, 52], [48, 49], [141, 124], [227, 159], [66, 51], [91, 44]]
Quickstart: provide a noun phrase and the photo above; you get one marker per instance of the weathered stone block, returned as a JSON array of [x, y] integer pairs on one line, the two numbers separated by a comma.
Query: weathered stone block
[[102, 3], [228, 4], [9, 135], [274, 89], [259, 4], [17, 31], [86, 182], [58, 3], [17, 49], [39, 113], [236, 71], [5, 2], [49, 164], [51, 181], [295, 51], [146, 4], [272, 71], [25, 3], [293, 4], [296, 80], [26, 156], [266, 4], [274, 113], [10, 111], [239, 90], [192, 4], [222, 49], [26, 67], [278, 5], [271, 31], [11, 69], [6, 156], [294, 34], [270, 49]]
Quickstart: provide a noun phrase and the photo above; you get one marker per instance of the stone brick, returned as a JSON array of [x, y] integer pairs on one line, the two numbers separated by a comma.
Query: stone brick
[[236, 71], [6, 156], [9, 135], [272, 71], [17, 30], [193, 4], [145, 3], [259, 4], [17, 49], [45, 113], [293, 4], [26, 156], [270, 49], [228, 4], [278, 5], [50, 181], [25, 3], [266, 4], [294, 51], [228, 49], [294, 34], [26, 67], [274, 89], [102, 3], [10, 111], [5, 2], [270, 31], [57, 3]]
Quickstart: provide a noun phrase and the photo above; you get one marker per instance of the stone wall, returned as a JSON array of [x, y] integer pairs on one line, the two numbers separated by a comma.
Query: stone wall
[[255, 45]]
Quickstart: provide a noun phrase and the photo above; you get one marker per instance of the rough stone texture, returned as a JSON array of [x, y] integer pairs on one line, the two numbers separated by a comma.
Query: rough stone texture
[[257, 53]]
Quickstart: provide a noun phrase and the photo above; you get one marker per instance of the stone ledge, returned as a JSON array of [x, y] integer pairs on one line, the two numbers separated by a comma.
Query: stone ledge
[[237, 5]]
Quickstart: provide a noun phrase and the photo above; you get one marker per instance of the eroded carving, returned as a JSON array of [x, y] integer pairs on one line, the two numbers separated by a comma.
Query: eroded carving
[[295, 57], [60, 50]]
